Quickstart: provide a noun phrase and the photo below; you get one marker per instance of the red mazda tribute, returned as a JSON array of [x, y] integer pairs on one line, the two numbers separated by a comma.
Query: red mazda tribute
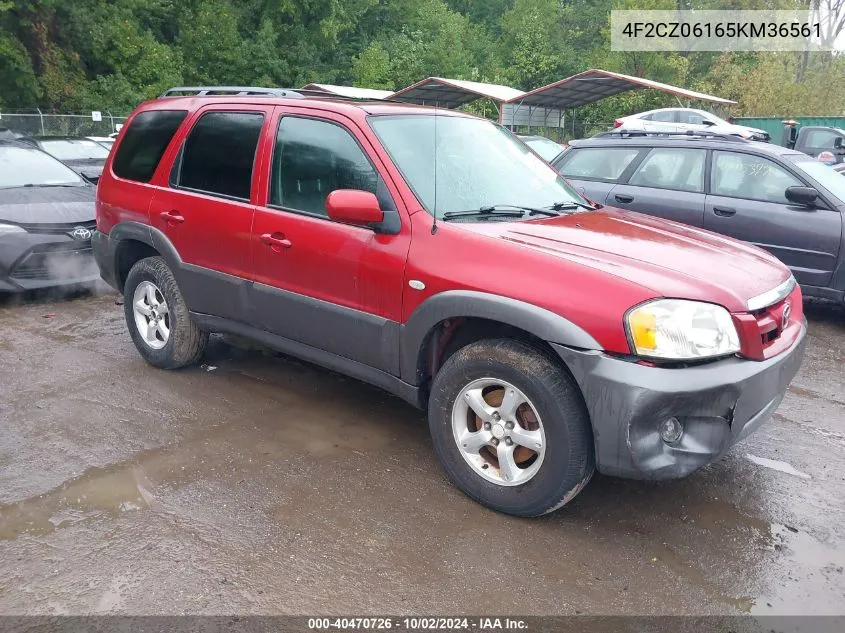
[[431, 253]]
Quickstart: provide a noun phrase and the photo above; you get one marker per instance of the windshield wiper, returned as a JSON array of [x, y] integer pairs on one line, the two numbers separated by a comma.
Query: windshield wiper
[[529, 210], [502, 210], [483, 212], [572, 204]]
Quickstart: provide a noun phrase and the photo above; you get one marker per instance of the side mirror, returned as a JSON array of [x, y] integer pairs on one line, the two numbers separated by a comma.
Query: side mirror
[[707, 123], [354, 207], [806, 196], [837, 142]]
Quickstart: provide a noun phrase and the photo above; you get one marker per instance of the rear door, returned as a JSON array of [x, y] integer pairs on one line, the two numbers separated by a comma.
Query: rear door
[[206, 210], [747, 201], [668, 183], [663, 121], [594, 171]]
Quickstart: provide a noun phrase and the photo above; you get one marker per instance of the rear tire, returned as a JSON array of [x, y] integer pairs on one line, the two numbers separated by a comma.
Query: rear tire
[[534, 433], [157, 317]]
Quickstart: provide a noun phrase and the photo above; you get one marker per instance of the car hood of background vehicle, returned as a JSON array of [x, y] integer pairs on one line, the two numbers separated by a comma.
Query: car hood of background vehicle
[[671, 259], [47, 205], [88, 167]]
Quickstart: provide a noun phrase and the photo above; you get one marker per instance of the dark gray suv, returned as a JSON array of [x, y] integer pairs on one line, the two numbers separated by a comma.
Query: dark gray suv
[[776, 198]]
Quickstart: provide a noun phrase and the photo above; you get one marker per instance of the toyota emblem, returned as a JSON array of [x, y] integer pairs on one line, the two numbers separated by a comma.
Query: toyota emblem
[[787, 310], [81, 233]]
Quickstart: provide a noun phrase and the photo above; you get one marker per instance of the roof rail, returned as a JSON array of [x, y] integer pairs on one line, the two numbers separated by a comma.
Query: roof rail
[[687, 134], [229, 91]]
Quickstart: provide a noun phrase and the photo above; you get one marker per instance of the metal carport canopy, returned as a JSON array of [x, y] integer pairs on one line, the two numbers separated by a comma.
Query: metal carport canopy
[[453, 93], [594, 85], [349, 91]]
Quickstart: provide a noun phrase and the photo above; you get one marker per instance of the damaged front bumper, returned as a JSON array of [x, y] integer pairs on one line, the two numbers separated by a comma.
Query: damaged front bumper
[[718, 404]]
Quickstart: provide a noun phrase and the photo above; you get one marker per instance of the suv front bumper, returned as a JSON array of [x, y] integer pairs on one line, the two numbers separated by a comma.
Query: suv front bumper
[[719, 404]]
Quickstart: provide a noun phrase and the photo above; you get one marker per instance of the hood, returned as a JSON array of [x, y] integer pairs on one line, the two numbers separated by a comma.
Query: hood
[[47, 205], [668, 258]]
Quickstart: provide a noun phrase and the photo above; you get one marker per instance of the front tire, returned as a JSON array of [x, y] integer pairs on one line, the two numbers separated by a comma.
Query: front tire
[[510, 428], [157, 317]]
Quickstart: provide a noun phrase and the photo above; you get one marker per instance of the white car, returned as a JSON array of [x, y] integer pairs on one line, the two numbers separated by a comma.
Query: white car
[[683, 120]]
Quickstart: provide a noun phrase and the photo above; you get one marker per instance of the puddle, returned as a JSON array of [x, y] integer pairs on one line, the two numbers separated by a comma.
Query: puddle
[[775, 464]]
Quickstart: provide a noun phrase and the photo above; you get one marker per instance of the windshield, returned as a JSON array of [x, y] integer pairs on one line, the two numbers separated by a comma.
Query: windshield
[[478, 164], [546, 148], [20, 167], [75, 149], [826, 176]]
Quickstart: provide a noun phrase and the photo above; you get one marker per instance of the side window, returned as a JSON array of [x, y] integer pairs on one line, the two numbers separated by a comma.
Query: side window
[[219, 154], [313, 158], [747, 176], [144, 142], [693, 118], [597, 162], [821, 138], [672, 168], [667, 116]]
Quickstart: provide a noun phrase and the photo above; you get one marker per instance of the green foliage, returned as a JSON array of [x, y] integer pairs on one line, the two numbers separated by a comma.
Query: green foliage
[[111, 54]]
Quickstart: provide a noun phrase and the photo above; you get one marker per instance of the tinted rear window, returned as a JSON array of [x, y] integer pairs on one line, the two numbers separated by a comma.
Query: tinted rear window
[[144, 143], [219, 153]]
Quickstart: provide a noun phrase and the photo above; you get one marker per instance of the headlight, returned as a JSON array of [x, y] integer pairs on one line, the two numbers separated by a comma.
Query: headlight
[[681, 330], [11, 228]]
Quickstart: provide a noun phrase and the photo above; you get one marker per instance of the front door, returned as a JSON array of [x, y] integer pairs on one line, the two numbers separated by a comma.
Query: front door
[[207, 211], [328, 285], [747, 201]]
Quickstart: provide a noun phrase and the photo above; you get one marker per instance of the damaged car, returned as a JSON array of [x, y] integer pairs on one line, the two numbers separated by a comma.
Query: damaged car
[[46, 222]]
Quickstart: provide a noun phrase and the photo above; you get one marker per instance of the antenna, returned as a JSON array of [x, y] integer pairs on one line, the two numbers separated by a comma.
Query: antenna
[[434, 223]]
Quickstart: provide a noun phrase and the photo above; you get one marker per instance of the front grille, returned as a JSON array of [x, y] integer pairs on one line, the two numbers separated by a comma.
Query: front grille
[[61, 264], [768, 331], [58, 228]]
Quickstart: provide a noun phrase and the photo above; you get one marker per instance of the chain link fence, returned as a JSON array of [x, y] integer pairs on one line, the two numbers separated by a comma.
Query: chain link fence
[[34, 122]]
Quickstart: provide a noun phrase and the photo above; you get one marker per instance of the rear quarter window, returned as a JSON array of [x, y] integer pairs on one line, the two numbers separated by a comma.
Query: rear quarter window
[[599, 163], [144, 143]]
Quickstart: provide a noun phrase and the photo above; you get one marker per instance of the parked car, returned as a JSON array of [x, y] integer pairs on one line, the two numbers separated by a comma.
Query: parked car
[[105, 141], [46, 221], [817, 140], [82, 155], [439, 258], [545, 147], [776, 198], [685, 119]]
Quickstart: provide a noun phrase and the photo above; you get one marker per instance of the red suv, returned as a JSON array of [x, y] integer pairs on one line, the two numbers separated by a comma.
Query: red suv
[[432, 254]]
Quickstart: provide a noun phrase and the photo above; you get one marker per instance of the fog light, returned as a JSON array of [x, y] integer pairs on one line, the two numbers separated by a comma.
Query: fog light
[[671, 430]]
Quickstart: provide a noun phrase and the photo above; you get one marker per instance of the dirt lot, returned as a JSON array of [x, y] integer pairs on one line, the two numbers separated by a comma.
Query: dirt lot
[[259, 484]]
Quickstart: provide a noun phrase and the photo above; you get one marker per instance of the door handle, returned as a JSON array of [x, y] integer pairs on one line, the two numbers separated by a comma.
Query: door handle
[[277, 241], [171, 217], [620, 198], [725, 212]]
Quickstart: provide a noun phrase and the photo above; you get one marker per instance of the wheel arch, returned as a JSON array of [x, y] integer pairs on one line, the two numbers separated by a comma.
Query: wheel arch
[[467, 316], [134, 241]]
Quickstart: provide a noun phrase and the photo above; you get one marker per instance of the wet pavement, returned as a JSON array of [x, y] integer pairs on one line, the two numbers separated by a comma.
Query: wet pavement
[[259, 484]]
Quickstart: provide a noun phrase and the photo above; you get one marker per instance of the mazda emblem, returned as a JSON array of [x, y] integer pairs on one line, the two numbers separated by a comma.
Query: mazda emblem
[[80, 233], [787, 310]]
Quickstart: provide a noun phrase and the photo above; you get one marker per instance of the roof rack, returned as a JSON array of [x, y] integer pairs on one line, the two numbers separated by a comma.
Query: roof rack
[[229, 91], [255, 91], [691, 134]]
